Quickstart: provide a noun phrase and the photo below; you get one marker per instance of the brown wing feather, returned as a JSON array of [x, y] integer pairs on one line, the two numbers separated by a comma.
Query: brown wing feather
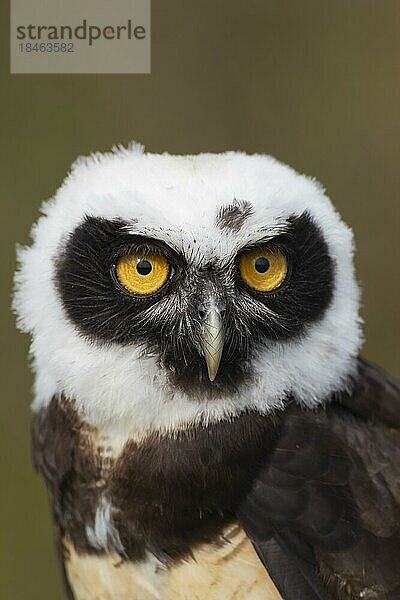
[[52, 455], [375, 396], [367, 422], [330, 494]]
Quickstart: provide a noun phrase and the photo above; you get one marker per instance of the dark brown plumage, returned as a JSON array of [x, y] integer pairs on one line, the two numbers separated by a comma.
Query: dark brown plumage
[[170, 493], [328, 500]]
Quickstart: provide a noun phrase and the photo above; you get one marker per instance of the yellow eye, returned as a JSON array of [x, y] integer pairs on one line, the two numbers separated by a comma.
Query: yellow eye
[[263, 269], [142, 273]]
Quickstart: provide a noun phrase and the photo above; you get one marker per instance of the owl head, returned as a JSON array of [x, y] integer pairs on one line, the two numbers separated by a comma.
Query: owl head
[[164, 290]]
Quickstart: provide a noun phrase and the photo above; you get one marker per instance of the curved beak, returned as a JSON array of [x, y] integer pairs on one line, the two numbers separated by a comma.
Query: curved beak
[[212, 340]]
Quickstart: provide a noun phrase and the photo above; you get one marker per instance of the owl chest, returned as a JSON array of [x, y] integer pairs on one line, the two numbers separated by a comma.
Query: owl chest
[[164, 494], [135, 503], [164, 497], [143, 549]]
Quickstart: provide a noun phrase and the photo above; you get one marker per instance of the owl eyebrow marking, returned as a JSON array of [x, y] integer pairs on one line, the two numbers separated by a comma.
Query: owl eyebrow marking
[[232, 216]]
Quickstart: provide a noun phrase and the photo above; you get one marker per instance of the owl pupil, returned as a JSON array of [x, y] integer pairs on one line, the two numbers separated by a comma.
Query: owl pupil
[[261, 264], [144, 267]]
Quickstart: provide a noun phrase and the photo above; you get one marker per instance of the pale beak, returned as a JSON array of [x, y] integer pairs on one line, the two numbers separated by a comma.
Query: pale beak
[[212, 340]]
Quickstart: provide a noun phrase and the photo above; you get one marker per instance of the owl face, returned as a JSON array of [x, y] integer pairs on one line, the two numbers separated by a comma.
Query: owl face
[[167, 289]]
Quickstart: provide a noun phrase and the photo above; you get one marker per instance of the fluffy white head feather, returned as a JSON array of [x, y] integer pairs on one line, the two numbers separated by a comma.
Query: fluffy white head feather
[[176, 199]]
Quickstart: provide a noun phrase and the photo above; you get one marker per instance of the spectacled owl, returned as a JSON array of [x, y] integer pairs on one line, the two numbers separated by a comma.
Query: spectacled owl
[[202, 417]]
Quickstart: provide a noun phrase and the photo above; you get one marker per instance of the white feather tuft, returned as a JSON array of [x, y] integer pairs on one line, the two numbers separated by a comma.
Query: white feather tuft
[[103, 535]]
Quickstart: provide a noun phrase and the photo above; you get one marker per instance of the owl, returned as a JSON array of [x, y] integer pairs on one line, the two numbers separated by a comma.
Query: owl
[[202, 418]]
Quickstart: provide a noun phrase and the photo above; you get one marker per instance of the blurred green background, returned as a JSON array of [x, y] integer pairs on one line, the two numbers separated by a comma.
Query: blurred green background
[[317, 84]]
